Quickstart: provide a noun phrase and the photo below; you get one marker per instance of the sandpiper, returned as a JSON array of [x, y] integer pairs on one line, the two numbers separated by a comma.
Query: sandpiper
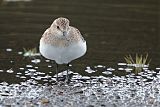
[[62, 43]]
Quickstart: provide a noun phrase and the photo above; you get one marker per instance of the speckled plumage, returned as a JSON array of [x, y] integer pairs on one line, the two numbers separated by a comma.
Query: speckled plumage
[[62, 43], [73, 36]]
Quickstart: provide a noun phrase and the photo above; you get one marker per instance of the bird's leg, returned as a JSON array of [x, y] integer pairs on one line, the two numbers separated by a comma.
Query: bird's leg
[[67, 76], [56, 72]]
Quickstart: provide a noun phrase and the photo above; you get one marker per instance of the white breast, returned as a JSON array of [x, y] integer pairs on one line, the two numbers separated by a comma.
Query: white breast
[[63, 55]]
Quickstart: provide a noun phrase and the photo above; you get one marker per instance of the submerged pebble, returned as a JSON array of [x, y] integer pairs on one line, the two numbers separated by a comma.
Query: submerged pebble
[[36, 67], [32, 70], [1, 70], [99, 66], [10, 71], [121, 69], [110, 69], [107, 72], [36, 61], [29, 66], [19, 73], [47, 60], [89, 70], [20, 53], [49, 66], [22, 77], [8, 49], [158, 68], [122, 64], [21, 68]]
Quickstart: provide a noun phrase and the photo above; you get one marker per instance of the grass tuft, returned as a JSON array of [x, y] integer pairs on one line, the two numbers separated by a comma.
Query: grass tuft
[[30, 52], [138, 63]]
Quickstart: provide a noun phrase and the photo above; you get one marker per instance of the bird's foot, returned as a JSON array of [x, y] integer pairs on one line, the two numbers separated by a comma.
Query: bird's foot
[[67, 80]]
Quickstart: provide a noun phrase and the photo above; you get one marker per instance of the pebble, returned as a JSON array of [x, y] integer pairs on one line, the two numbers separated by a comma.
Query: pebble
[[44, 100], [10, 71], [8, 49]]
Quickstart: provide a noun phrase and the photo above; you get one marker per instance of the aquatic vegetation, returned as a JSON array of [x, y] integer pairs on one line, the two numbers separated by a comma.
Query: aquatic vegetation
[[139, 63], [140, 59], [31, 52]]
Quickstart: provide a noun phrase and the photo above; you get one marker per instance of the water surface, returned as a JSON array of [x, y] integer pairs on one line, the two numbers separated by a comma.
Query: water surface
[[112, 30]]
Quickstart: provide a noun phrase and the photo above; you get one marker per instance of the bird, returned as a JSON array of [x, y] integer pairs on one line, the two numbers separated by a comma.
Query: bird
[[62, 43]]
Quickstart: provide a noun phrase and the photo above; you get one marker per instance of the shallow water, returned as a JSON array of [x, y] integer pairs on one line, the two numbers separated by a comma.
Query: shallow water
[[112, 30]]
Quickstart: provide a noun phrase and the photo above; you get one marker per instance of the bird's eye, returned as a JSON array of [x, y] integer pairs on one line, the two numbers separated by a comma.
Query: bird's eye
[[57, 27]]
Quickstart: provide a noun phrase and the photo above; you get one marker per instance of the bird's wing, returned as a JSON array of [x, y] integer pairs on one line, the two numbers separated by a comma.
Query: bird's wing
[[78, 33]]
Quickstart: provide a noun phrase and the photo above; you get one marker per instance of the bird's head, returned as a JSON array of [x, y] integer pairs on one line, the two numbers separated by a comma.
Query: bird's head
[[60, 26]]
